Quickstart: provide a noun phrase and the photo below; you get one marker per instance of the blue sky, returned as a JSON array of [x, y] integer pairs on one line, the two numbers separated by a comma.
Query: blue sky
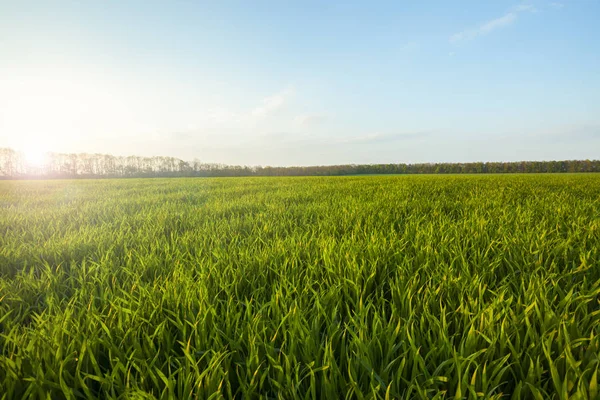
[[301, 83]]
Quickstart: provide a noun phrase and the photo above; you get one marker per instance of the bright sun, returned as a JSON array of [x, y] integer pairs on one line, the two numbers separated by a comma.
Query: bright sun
[[35, 157]]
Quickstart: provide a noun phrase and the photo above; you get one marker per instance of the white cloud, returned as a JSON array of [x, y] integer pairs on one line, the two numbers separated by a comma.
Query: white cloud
[[221, 115], [379, 137], [556, 5], [309, 119], [217, 126], [484, 28], [273, 103], [494, 24], [498, 23], [525, 7]]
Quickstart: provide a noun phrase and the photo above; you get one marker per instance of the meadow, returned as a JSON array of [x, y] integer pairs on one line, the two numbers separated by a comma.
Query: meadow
[[457, 286]]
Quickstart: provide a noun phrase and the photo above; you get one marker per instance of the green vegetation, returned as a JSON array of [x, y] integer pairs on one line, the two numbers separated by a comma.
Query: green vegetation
[[14, 165], [354, 287]]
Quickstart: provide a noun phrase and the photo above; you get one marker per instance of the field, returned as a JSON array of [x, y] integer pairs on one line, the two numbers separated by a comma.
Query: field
[[353, 287]]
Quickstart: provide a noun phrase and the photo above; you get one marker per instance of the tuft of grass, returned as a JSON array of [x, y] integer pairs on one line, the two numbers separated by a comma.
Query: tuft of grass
[[295, 288]]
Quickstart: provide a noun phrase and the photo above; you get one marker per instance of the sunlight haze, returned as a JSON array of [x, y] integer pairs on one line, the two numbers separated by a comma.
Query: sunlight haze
[[308, 83]]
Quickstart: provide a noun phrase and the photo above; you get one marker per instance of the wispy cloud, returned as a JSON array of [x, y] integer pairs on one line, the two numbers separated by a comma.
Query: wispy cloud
[[217, 126], [556, 5], [288, 139], [492, 25], [273, 103], [525, 7], [384, 137], [497, 23], [484, 28], [309, 119]]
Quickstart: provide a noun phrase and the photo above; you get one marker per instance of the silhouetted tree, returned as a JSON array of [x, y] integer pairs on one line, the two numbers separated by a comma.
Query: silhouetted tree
[[83, 165]]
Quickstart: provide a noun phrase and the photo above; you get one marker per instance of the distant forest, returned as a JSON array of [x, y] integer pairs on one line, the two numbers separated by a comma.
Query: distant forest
[[13, 165]]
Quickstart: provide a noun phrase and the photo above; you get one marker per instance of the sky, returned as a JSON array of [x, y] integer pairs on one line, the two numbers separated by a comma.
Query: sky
[[303, 83]]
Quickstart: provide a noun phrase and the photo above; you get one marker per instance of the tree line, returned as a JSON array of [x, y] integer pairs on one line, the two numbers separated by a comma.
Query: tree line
[[14, 165]]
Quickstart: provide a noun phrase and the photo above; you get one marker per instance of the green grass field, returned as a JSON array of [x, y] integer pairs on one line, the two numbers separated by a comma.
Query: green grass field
[[354, 287]]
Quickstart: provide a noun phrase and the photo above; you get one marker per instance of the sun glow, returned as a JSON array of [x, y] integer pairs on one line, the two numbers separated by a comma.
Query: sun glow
[[35, 157], [54, 109]]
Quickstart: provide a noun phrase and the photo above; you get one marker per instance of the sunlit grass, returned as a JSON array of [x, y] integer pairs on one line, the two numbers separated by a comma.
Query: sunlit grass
[[356, 287]]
